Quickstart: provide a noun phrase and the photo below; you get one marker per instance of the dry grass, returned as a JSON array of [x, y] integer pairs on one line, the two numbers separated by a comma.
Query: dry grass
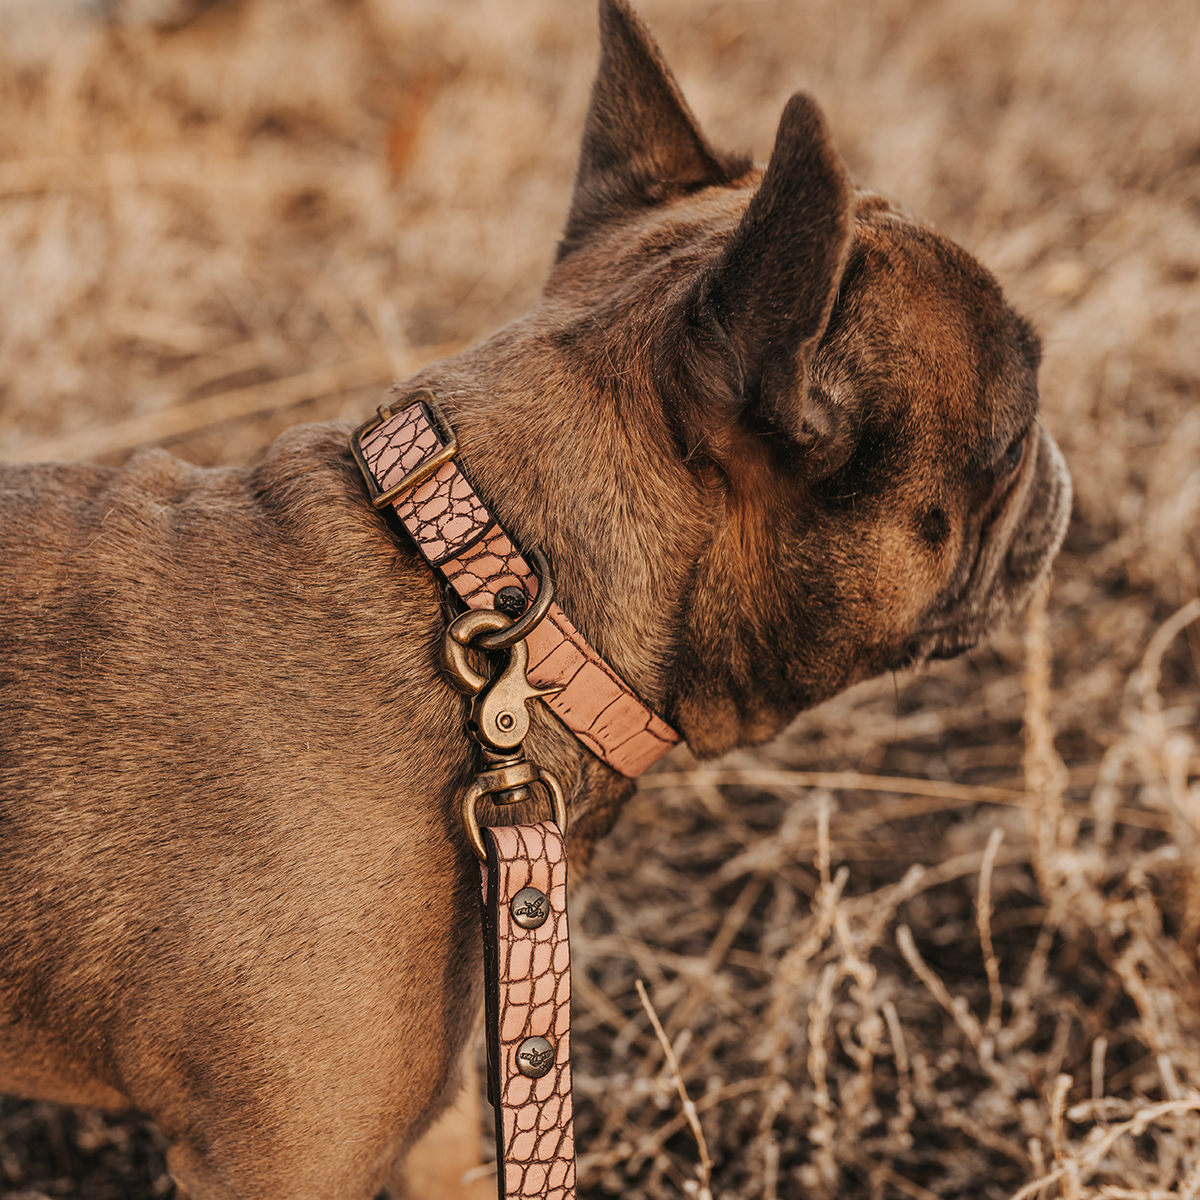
[[941, 940]]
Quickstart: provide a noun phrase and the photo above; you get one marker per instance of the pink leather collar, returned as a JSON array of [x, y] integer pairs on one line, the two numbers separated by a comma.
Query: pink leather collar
[[410, 461]]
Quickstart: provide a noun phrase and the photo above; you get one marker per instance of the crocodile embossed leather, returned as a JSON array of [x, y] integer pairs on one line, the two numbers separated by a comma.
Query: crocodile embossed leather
[[457, 534], [527, 979]]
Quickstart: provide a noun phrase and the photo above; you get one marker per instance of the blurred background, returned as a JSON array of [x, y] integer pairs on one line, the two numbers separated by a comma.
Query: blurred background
[[940, 940]]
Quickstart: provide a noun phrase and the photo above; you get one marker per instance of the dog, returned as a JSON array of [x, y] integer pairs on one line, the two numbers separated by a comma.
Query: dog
[[774, 435]]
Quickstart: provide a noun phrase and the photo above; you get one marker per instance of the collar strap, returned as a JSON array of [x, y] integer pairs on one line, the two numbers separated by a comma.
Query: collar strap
[[406, 455]]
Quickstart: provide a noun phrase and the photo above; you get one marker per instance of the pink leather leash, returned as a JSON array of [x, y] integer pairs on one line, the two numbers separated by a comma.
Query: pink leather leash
[[407, 457], [409, 460], [527, 979]]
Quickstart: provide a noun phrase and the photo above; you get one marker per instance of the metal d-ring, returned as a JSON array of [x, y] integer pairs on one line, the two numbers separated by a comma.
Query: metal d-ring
[[502, 639]]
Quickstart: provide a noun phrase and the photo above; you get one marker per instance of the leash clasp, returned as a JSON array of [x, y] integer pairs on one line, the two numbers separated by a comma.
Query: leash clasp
[[499, 718]]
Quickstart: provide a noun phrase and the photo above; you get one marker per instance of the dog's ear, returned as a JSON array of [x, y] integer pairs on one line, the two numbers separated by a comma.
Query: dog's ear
[[770, 292], [641, 143]]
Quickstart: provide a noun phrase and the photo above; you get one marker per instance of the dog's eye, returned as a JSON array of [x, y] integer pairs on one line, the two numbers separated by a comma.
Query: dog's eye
[[1015, 452]]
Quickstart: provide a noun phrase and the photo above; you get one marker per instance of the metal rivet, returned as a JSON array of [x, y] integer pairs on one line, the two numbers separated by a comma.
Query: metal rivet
[[529, 908], [506, 720], [535, 1056], [512, 601]]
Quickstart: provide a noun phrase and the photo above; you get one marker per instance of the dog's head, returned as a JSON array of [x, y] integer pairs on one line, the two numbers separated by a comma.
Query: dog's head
[[849, 390]]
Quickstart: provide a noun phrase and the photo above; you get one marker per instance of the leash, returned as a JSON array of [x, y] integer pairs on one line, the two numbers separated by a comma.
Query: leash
[[526, 949], [527, 974], [407, 457]]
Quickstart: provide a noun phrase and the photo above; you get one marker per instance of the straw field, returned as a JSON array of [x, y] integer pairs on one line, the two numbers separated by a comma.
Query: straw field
[[941, 939]]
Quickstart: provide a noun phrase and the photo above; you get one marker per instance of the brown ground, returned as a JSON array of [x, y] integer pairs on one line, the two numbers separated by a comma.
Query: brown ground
[[970, 968]]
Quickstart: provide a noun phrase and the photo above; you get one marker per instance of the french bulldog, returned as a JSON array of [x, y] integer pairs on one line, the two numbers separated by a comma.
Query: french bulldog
[[773, 434]]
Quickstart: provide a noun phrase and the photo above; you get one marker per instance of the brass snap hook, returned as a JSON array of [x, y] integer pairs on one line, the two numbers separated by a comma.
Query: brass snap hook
[[457, 641], [499, 719]]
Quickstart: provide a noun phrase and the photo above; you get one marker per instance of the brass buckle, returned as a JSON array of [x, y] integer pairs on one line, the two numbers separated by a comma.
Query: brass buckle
[[418, 474]]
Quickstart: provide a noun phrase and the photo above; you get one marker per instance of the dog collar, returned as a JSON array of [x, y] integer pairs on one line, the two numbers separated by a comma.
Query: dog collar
[[406, 454]]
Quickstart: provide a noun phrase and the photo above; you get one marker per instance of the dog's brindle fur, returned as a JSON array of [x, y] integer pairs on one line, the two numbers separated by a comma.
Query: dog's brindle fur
[[775, 436]]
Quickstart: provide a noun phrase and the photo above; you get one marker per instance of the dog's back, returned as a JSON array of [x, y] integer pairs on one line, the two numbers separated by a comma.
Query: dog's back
[[218, 861]]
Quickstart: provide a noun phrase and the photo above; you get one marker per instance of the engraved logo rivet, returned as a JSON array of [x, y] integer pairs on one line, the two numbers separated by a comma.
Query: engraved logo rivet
[[511, 601], [535, 1056], [529, 908]]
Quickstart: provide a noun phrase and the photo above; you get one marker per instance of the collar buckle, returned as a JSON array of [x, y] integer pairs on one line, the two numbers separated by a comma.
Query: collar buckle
[[422, 471]]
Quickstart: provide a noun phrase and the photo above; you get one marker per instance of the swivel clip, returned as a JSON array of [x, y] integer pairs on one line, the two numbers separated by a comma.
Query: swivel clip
[[498, 720], [508, 782]]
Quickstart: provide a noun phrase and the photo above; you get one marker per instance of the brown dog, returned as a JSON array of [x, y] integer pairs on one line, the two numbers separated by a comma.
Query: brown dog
[[774, 436]]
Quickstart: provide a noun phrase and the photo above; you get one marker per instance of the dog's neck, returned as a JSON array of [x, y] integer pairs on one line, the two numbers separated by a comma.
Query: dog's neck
[[406, 455], [594, 489]]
